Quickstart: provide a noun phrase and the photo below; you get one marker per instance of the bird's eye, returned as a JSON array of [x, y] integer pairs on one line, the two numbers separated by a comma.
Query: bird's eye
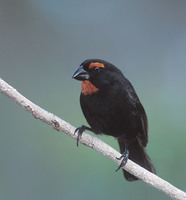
[[96, 69]]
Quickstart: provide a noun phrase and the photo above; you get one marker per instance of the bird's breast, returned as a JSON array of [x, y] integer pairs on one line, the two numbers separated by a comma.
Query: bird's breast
[[103, 115]]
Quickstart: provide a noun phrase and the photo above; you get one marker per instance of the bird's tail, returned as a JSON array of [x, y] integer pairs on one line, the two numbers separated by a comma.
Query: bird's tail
[[138, 155]]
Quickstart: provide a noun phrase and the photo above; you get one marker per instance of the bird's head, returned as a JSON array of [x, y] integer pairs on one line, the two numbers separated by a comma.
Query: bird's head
[[96, 75]]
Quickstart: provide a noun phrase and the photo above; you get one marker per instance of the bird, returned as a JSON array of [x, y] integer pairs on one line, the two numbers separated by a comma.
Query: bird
[[111, 107]]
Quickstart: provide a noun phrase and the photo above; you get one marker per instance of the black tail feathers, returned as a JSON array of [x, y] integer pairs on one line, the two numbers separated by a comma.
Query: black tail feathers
[[138, 155]]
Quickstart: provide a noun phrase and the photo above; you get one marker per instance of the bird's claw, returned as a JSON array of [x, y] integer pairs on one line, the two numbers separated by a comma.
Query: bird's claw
[[124, 158], [79, 131]]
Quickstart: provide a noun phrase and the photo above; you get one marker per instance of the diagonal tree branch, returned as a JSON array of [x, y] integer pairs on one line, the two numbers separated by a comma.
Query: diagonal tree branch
[[90, 141]]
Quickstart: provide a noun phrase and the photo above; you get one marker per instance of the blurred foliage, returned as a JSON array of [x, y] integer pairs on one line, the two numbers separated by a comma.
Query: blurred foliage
[[42, 43]]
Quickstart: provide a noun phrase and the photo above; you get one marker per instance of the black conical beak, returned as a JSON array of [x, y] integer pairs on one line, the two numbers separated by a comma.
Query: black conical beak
[[80, 74]]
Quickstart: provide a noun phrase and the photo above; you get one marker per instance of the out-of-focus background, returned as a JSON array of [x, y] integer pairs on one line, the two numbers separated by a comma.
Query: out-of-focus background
[[41, 45]]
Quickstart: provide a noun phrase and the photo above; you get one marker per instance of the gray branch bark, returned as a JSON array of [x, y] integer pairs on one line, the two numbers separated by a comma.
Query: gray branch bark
[[90, 141]]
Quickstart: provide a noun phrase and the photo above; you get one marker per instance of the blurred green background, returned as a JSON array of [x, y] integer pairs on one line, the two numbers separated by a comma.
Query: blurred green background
[[41, 45]]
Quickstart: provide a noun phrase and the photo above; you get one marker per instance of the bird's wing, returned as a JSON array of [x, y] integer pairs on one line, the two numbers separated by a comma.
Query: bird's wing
[[143, 128]]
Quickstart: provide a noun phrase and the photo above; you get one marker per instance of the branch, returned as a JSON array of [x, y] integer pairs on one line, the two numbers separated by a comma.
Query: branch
[[90, 141]]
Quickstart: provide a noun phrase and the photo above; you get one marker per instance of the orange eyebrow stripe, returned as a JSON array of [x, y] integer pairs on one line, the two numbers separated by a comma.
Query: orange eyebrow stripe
[[96, 64]]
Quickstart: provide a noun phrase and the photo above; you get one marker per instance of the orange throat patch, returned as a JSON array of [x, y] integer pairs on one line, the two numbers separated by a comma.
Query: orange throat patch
[[87, 88]]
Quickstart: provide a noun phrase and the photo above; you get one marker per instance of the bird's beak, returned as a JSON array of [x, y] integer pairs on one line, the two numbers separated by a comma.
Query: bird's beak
[[80, 74]]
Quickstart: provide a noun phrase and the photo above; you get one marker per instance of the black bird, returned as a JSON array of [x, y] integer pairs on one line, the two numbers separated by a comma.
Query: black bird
[[112, 107]]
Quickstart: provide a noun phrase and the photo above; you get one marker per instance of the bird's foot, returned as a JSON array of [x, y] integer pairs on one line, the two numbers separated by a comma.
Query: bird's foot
[[124, 158], [80, 131]]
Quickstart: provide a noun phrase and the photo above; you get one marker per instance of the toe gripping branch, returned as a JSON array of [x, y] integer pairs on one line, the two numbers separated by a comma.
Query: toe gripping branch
[[80, 131], [124, 158]]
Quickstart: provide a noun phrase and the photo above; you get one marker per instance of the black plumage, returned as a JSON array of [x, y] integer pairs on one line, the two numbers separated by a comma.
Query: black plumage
[[112, 107]]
